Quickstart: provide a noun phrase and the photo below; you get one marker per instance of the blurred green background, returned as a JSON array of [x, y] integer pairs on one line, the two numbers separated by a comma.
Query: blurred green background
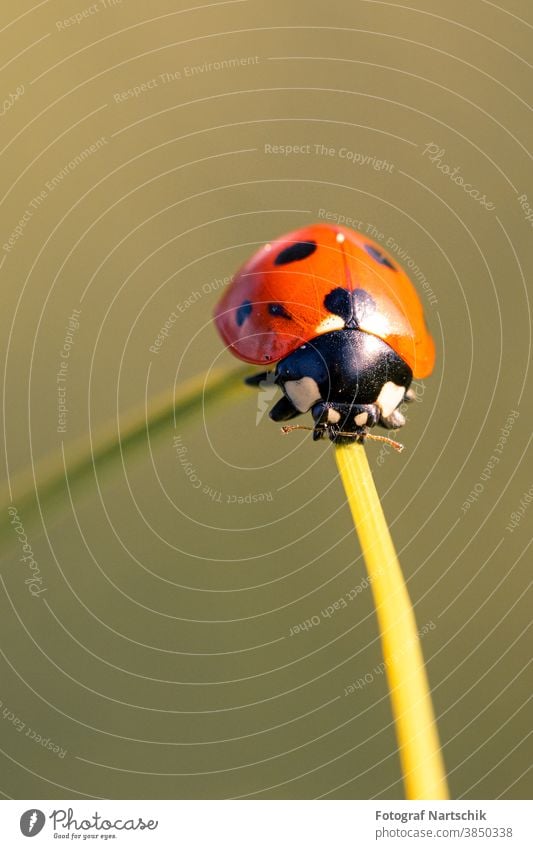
[[159, 659]]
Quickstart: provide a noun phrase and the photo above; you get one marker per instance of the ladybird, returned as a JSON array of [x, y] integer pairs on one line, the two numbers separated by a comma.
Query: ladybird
[[340, 320]]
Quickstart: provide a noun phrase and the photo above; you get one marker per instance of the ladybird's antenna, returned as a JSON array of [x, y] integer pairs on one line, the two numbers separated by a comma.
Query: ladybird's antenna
[[396, 445], [289, 428]]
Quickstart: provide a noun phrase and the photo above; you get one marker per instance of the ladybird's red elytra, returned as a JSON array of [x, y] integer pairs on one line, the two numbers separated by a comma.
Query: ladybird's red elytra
[[341, 320]]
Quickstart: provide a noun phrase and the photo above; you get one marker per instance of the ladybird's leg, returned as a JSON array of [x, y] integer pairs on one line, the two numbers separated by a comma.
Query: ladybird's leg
[[256, 379], [361, 416], [393, 421], [410, 395], [320, 413], [283, 410], [373, 414], [342, 437]]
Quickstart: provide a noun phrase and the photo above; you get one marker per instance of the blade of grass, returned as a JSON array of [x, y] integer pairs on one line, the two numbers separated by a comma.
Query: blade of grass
[[48, 479], [416, 730]]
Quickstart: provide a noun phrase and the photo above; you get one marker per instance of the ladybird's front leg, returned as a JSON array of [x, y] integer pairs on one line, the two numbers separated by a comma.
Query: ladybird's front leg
[[283, 410], [266, 382], [320, 432], [259, 378]]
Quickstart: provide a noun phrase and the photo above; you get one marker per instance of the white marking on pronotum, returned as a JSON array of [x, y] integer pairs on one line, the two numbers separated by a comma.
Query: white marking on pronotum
[[333, 416], [361, 419], [390, 396], [303, 393], [332, 322]]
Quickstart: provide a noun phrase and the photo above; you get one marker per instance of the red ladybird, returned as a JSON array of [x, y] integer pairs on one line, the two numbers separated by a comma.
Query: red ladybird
[[343, 323]]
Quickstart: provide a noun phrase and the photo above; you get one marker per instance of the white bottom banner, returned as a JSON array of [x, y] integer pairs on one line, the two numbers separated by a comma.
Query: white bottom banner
[[267, 824]]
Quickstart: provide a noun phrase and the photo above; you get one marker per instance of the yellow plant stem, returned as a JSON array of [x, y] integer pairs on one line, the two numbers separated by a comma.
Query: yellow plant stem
[[416, 730]]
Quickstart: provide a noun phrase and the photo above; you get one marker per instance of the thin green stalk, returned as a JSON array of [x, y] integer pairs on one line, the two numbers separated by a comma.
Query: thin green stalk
[[83, 460], [416, 730]]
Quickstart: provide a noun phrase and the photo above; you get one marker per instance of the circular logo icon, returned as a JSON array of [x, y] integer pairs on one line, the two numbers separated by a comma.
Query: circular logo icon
[[32, 822]]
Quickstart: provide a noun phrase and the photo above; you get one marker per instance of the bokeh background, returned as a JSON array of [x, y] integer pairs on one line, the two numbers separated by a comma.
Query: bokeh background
[[159, 658]]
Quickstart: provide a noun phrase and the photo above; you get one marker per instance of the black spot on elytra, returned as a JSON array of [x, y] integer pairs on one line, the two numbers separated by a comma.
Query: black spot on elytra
[[379, 257], [279, 310], [296, 251], [243, 312], [353, 306]]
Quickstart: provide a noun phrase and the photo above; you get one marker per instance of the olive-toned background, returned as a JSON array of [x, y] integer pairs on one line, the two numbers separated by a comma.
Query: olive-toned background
[[160, 657]]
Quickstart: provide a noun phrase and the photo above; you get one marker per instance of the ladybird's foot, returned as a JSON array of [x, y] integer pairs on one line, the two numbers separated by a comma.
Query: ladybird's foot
[[283, 410], [259, 378], [394, 421], [343, 416], [338, 436], [319, 433], [346, 438], [343, 423]]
